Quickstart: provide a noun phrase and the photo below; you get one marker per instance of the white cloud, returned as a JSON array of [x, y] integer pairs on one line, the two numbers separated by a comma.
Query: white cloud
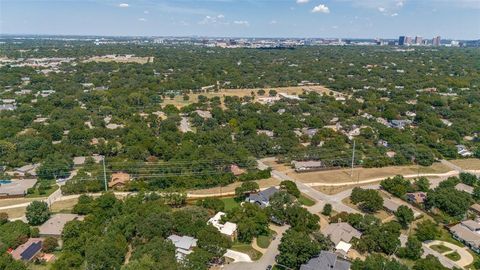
[[244, 23], [394, 15], [146, 12], [302, 1], [273, 22], [219, 19], [381, 9], [123, 5], [142, 19], [321, 9]]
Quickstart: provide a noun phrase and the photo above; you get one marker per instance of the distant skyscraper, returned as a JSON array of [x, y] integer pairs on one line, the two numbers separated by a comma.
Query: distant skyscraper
[[436, 41], [408, 40], [418, 40], [401, 40]]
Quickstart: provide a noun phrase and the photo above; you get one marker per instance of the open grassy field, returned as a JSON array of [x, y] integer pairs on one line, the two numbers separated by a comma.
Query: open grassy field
[[62, 206], [13, 201], [340, 176], [15, 212], [292, 90], [467, 164], [230, 203]]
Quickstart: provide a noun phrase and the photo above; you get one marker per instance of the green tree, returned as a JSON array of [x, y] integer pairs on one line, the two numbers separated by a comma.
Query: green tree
[[37, 213], [290, 187], [246, 187], [413, 249], [427, 230], [49, 244], [429, 263], [327, 209], [404, 215], [296, 248], [422, 184], [377, 262]]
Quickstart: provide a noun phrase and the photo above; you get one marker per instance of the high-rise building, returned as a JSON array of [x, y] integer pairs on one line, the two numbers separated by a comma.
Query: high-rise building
[[401, 40], [436, 41], [418, 40], [408, 40]]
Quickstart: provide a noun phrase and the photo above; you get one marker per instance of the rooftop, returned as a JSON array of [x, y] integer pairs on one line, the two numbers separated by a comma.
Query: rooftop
[[326, 261], [54, 226], [341, 231]]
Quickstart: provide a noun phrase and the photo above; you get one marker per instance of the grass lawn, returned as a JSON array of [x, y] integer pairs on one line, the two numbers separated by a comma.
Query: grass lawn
[[304, 200], [264, 241], [230, 203], [447, 237], [440, 248], [454, 256], [63, 206], [247, 249], [50, 190]]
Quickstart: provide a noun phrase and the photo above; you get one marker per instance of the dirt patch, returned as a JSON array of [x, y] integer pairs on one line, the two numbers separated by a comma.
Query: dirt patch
[[15, 212], [120, 59], [467, 164], [361, 174], [332, 190], [8, 202]]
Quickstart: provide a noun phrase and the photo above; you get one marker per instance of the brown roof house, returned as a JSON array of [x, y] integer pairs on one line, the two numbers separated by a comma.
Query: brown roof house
[[341, 234], [416, 197], [119, 180], [29, 250], [468, 232]]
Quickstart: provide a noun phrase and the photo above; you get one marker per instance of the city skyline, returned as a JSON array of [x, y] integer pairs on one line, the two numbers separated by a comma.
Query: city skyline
[[236, 18]]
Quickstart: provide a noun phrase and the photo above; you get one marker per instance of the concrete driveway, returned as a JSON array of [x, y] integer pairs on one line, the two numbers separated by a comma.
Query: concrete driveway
[[237, 256], [268, 257], [465, 257]]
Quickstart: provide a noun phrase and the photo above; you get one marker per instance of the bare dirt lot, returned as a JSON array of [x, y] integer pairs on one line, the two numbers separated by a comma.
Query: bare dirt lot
[[360, 174], [121, 59], [467, 164], [291, 90]]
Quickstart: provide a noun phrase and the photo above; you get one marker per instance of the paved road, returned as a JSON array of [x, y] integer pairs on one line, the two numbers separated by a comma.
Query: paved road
[[267, 259], [320, 198], [465, 257]]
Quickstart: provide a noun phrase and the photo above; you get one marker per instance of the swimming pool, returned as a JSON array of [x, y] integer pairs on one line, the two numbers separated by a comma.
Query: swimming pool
[[5, 181]]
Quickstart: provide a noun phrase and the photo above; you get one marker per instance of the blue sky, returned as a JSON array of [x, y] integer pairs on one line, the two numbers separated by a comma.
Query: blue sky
[[458, 19]]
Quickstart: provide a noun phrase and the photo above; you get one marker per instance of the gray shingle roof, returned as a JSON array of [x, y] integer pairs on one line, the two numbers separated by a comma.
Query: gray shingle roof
[[326, 261]]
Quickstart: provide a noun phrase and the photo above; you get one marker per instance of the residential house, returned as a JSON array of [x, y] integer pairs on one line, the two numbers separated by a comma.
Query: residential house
[[475, 208], [468, 232], [466, 188], [29, 169], [262, 198], [326, 261], [463, 151], [228, 228], [183, 245], [391, 206], [79, 161], [8, 107], [54, 226], [269, 133], [303, 166], [29, 250], [119, 180], [382, 143], [400, 124], [17, 188], [341, 234], [416, 197]]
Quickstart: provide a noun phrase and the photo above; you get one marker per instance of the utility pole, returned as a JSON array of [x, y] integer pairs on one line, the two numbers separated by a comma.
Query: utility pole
[[353, 158], [104, 174]]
